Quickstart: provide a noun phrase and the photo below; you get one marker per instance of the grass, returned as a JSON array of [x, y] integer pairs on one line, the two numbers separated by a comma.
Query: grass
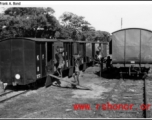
[[56, 102]]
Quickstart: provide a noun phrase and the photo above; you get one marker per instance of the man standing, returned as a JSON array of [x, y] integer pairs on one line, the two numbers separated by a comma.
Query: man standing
[[108, 62], [99, 53], [59, 60], [77, 70], [100, 59]]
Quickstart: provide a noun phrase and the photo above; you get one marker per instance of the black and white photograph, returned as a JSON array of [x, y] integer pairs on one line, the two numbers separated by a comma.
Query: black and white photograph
[[75, 59]]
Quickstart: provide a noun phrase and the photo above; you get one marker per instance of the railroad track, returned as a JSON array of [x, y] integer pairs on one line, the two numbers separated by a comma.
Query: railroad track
[[129, 91], [10, 94], [148, 97], [5, 93], [117, 85]]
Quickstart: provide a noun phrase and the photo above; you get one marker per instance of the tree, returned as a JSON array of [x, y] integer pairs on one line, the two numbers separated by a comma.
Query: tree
[[89, 35], [75, 23], [25, 22], [28, 11], [65, 33], [40, 22], [102, 36]]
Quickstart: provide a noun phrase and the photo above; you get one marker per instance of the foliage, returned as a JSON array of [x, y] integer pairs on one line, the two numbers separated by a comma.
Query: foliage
[[102, 36], [25, 22], [82, 29], [40, 22], [28, 11], [76, 24]]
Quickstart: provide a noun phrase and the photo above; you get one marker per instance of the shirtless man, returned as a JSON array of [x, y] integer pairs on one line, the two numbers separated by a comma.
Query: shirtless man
[[60, 60], [77, 70]]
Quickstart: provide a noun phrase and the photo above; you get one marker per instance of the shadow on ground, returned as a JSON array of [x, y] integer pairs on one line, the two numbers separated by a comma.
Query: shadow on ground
[[42, 83], [37, 84], [114, 73], [33, 86]]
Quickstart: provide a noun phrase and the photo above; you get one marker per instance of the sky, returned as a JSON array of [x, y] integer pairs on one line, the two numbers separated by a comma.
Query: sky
[[103, 15]]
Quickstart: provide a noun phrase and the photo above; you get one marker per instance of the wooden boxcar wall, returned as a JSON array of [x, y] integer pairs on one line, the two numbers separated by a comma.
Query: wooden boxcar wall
[[71, 54], [5, 61], [93, 51], [50, 56], [40, 60], [17, 59], [17, 56], [75, 48], [29, 61], [89, 51], [66, 54], [105, 50], [82, 51]]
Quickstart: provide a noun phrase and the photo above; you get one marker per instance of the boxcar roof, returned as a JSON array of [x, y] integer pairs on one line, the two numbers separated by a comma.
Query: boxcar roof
[[38, 39], [50, 40], [131, 28]]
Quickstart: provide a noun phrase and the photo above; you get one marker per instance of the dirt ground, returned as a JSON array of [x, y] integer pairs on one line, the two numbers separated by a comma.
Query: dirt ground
[[57, 102]]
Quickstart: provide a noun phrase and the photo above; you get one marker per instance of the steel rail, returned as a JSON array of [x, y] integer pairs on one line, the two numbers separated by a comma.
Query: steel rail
[[8, 98]]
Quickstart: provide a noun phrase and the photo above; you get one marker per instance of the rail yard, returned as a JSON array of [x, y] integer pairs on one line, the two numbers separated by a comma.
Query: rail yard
[[66, 68], [57, 102]]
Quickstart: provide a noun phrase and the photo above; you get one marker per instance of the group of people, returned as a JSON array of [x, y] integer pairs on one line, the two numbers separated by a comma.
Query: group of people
[[60, 62], [101, 59]]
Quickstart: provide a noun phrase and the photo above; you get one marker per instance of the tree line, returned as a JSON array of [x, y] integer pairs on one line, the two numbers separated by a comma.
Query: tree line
[[41, 23]]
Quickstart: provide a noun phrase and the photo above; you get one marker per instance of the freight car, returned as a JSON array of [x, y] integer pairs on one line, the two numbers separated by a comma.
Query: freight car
[[131, 51], [25, 60]]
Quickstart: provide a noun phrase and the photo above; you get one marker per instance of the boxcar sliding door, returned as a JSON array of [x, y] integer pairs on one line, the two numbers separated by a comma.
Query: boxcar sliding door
[[82, 50], [43, 58], [38, 60], [71, 53], [89, 52], [71, 59], [50, 56], [66, 55]]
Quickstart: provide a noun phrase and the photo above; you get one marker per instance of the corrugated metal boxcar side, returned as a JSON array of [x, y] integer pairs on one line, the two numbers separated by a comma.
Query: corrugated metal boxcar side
[[132, 45]]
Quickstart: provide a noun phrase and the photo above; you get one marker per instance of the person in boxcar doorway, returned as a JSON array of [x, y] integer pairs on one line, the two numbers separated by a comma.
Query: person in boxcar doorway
[[59, 56], [99, 55], [77, 70], [108, 62], [96, 56]]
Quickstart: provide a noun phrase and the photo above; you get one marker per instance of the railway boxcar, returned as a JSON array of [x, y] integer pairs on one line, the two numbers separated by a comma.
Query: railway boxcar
[[91, 48], [20, 60], [131, 50], [24, 60]]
